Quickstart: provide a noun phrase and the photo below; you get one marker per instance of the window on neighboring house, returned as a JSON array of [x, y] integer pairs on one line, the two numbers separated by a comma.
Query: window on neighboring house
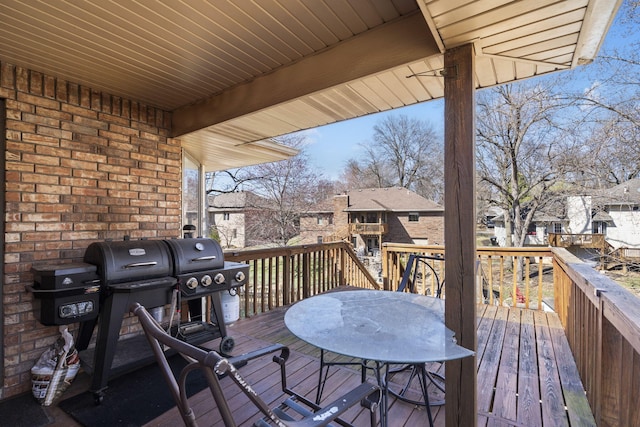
[[413, 217], [532, 230], [330, 220], [319, 220], [372, 218], [319, 239], [234, 233], [599, 227], [557, 227], [225, 216]]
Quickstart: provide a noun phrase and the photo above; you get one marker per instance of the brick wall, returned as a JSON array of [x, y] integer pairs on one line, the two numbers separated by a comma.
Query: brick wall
[[428, 227], [81, 166]]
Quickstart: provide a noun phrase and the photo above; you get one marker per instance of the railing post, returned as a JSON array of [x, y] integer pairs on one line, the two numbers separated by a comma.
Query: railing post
[[384, 260], [343, 263], [286, 285], [306, 277]]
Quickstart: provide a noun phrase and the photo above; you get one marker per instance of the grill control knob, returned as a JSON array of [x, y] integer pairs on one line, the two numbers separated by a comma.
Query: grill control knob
[[192, 283], [240, 276], [219, 279], [206, 280]]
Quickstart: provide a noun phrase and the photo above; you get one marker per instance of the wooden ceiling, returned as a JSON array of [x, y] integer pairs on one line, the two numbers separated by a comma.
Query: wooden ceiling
[[240, 71]]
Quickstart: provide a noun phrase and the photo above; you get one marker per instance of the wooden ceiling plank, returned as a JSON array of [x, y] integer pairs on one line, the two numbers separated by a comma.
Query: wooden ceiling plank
[[314, 73], [541, 37], [511, 16], [373, 98], [533, 28], [532, 50]]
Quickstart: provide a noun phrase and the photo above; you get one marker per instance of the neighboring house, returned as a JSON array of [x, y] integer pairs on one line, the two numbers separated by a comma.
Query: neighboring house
[[370, 217], [231, 216], [613, 213], [538, 232]]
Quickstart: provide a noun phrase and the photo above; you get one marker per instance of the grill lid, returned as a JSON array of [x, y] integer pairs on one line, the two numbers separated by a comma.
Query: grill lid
[[195, 254], [129, 260]]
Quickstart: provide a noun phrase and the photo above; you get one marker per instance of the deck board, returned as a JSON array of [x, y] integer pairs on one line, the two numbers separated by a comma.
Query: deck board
[[526, 374]]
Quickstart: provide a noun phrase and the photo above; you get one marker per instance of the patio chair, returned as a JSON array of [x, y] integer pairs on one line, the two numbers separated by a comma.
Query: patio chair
[[296, 410], [401, 378]]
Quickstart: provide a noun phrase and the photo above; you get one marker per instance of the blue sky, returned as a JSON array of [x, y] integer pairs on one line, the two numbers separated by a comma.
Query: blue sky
[[331, 146]]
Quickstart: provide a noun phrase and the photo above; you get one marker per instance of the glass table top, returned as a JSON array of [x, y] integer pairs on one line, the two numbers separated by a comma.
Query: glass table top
[[383, 326]]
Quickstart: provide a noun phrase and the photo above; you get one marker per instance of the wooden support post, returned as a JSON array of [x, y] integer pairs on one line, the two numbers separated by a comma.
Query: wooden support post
[[459, 231]]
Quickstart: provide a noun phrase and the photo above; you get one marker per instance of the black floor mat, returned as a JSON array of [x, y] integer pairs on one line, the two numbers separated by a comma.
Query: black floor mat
[[23, 411], [132, 399]]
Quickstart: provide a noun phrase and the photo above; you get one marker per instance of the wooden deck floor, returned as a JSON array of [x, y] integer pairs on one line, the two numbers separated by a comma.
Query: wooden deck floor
[[526, 374]]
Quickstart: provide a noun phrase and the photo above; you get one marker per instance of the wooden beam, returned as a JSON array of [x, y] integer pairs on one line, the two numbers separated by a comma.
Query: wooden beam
[[459, 231], [397, 43]]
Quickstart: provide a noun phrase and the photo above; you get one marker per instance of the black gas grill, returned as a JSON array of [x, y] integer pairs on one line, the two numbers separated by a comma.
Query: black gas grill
[[153, 273]]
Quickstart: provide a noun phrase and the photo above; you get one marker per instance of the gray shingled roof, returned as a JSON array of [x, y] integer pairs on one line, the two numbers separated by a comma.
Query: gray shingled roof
[[627, 192], [395, 199]]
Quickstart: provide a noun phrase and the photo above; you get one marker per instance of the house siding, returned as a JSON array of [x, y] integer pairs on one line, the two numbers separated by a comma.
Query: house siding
[[310, 230], [625, 230], [231, 231], [429, 227], [81, 166]]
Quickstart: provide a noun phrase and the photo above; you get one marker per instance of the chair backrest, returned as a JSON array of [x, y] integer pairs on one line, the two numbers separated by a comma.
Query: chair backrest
[[210, 363], [420, 264]]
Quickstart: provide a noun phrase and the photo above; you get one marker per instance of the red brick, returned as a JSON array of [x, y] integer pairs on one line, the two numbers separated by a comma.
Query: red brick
[[41, 198], [36, 83], [38, 100], [22, 79], [77, 164], [20, 126], [37, 159], [85, 97], [53, 189], [92, 192], [79, 129], [40, 139], [54, 114], [41, 120], [78, 182], [37, 178], [7, 75], [49, 87], [56, 133], [53, 170], [40, 236], [62, 91], [80, 235]]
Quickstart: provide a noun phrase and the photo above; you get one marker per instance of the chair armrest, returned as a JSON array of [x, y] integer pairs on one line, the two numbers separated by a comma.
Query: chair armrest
[[242, 359], [366, 394]]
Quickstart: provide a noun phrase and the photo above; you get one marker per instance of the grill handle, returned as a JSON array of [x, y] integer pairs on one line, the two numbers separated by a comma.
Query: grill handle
[[204, 258], [141, 264]]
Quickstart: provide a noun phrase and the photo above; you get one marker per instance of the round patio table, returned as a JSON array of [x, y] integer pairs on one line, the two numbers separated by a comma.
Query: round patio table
[[381, 326]]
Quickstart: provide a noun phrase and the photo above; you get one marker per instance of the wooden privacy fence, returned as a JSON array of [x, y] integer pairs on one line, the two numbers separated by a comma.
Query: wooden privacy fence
[[521, 277], [281, 276], [601, 320]]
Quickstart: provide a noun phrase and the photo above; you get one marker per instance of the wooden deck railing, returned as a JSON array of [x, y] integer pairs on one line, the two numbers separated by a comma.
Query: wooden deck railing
[[601, 319], [588, 240], [281, 276], [368, 228], [521, 277], [602, 324]]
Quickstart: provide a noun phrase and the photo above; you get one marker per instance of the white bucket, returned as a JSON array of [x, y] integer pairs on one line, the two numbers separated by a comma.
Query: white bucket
[[230, 306]]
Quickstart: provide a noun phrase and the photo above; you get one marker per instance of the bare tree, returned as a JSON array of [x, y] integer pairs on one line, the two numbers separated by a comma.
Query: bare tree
[[405, 152], [610, 109], [522, 152], [290, 187]]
